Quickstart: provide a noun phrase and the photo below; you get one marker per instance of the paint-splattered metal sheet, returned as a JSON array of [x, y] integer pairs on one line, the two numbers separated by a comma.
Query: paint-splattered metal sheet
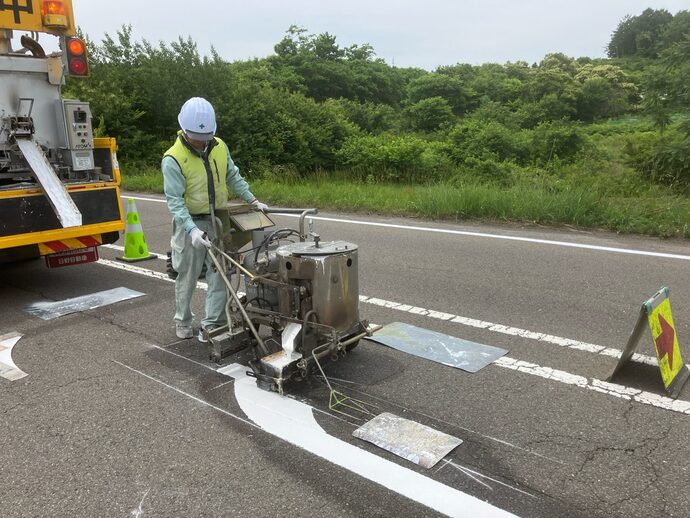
[[437, 347], [407, 439], [51, 310]]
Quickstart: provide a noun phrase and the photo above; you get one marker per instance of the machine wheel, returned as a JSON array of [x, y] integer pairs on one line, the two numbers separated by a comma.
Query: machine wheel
[[171, 271], [352, 346], [169, 268]]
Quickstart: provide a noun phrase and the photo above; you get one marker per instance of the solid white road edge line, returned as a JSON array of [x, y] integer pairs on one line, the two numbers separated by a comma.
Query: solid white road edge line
[[611, 389], [480, 234], [294, 422]]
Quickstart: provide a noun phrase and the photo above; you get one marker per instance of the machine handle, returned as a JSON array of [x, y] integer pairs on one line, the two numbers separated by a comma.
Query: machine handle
[[302, 212], [276, 210]]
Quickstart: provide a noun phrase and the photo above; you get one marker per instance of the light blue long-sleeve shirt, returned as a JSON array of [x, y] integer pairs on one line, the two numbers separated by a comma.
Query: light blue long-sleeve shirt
[[174, 185]]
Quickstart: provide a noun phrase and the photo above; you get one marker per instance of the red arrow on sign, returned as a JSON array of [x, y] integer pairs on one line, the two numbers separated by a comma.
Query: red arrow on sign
[[664, 342]]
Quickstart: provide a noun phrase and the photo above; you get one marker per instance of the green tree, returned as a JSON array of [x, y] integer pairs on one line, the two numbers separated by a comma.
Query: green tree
[[639, 35], [607, 91], [429, 114], [446, 87]]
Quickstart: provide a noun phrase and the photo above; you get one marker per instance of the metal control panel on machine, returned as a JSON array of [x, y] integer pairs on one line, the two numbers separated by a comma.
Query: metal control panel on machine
[[77, 134], [82, 129]]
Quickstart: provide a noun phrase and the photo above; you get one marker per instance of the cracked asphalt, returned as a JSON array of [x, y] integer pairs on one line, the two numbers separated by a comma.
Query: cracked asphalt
[[119, 418]]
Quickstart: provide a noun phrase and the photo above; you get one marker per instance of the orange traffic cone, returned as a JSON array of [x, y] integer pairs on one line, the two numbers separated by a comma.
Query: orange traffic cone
[[135, 243]]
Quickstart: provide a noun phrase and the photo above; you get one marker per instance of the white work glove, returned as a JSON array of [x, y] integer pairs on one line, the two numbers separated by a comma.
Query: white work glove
[[198, 239], [261, 206]]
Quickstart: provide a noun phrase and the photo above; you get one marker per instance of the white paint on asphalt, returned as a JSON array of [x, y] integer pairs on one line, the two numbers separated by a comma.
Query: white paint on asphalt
[[294, 422], [611, 389], [8, 369], [139, 511], [122, 249], [145, 272], [548, 242]]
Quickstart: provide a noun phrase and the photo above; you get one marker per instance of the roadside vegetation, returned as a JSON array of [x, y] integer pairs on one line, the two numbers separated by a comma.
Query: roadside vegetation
[[601, 143]]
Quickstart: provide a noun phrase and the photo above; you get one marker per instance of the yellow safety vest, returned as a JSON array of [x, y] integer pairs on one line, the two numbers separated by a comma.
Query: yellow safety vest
[[195, 168]]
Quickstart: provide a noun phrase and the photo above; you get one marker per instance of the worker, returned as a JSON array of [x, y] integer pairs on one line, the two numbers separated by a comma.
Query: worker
[[196, 156]]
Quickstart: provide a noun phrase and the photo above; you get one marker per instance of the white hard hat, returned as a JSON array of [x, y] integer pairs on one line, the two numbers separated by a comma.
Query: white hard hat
[[198, 119]]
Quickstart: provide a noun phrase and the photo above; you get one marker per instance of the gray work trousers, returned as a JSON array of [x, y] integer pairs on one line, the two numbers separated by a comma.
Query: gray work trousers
[[188, 263]]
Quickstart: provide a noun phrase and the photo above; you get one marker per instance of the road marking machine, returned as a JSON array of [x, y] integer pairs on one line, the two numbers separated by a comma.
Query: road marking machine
[[300, 305]]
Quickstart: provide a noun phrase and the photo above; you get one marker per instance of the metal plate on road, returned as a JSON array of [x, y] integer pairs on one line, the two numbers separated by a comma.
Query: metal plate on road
[[407, 439], [70, 257], [51, 310], [438, 347]]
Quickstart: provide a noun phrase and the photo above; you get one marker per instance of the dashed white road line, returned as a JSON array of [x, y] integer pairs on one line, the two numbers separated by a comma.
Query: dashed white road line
[[145, 272], [610, 389], [508, 330], [440, 315], [468, 233]]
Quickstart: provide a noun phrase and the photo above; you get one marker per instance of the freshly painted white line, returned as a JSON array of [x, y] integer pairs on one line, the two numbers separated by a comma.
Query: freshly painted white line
[[549, 242], [8, 369], [294, 422], [509, 330]]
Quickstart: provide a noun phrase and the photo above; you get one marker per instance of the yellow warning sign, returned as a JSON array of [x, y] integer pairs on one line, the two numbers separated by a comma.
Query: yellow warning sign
[[665, 341], [52, 16], [657, 313]]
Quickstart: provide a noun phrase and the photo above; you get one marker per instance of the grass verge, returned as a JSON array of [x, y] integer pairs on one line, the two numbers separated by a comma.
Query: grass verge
[[653, 211]]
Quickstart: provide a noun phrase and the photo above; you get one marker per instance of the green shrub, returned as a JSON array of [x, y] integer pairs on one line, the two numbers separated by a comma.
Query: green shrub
[[486, 169], [428, 114], [370, 117], [394, 158], [556, 140], [663, 158], [486, 140]]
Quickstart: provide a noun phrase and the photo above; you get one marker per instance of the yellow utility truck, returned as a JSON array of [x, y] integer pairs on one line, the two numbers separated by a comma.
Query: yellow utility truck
[[59, 186]]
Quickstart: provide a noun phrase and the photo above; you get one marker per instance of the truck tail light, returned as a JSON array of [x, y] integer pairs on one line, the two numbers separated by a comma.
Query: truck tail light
[[75, 50], [54, 14]]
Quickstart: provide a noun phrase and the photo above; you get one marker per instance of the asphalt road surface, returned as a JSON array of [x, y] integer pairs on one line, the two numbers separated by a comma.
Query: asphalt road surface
[[117, 417]]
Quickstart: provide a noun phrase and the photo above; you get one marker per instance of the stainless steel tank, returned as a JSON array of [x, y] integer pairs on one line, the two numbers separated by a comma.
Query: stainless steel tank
[[327, 271]]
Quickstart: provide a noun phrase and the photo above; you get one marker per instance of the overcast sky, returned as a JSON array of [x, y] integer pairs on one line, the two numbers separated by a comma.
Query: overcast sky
[[407, 33]]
